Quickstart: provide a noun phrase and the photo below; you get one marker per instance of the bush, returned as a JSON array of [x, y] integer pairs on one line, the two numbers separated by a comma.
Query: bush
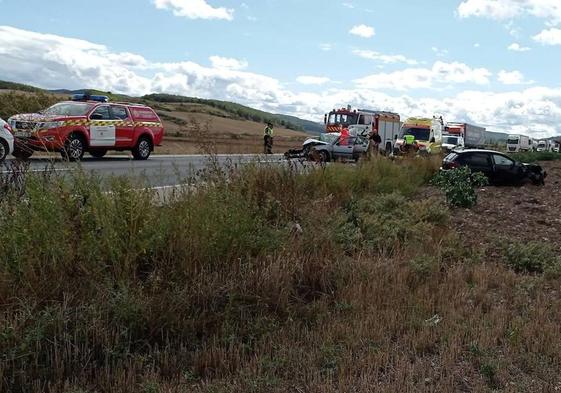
[[533, 257], [459, 186]]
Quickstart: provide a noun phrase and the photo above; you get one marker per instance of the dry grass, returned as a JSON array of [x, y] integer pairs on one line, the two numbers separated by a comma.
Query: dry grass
[[334, 279]]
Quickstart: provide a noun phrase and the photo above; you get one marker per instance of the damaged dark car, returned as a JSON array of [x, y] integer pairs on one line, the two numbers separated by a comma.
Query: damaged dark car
[[500, 169]]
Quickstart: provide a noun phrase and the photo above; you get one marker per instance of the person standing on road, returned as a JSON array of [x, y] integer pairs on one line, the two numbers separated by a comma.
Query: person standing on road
[[268, 139], [375, 141]]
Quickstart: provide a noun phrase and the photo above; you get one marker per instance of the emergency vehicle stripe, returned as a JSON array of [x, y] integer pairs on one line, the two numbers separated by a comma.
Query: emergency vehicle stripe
[[117, 123]]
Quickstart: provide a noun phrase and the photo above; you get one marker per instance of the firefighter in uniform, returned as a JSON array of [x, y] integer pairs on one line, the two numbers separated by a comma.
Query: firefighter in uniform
[[268, 139]]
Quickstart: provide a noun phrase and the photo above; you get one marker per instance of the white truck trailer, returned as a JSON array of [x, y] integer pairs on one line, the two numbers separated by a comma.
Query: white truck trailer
[[518, 143]]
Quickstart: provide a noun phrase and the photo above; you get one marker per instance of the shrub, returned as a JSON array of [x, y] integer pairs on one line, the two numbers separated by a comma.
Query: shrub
[[533, 257], [459, 186]]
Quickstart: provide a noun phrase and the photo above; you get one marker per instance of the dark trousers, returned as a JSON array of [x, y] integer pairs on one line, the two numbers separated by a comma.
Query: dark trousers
[[268, 144]]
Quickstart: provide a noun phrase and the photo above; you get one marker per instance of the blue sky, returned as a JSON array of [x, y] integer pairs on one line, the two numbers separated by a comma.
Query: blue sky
[[493, 62]]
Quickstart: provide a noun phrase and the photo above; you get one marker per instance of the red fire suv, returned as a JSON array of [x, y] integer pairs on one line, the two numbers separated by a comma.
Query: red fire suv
[[88, 123]]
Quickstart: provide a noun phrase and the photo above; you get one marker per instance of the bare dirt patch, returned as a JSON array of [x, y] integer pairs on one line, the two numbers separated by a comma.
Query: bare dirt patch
[[514, 214]]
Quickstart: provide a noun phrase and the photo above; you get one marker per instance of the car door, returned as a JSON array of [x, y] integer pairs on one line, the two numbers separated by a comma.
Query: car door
[[124, 126], [478, 162], [344, 148], [506, 171], [102, 127]]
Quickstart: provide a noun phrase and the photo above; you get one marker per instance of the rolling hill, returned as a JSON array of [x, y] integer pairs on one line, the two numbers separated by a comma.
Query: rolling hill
[[192, 124]]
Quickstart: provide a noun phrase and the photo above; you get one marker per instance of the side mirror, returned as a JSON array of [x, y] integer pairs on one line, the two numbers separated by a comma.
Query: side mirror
[[395, 137], [325, 119]]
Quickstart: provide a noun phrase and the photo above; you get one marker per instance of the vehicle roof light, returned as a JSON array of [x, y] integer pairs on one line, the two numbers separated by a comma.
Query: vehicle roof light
[[87, 97]]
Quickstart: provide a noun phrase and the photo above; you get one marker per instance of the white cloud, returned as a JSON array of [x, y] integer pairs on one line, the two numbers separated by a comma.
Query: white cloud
[[509, 9], [348, 5], [51, 61], [226, 63], [386, 59], [495, 9], [326, 47], [424, 78], [477, 45], [363, 31], [194, 9], [516, 47], [313, 80], [510, 77], [549, 37], [439, 52]]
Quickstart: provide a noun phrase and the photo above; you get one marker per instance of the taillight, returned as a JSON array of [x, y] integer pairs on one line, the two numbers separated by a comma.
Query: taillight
[[452, 165], [8, 128]]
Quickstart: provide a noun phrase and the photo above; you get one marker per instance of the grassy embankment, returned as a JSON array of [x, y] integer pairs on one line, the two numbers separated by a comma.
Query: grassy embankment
[[534, 156], [336, 279]]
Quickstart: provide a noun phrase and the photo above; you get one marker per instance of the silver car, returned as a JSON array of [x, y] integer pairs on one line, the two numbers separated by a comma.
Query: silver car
[[336, 148]]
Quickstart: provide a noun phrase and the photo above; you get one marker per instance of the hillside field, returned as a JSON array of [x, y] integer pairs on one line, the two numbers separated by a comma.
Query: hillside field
[[191, 125]]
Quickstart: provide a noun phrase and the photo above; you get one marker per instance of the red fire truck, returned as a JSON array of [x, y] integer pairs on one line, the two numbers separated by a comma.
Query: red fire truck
[[88, 124], [363, 122]]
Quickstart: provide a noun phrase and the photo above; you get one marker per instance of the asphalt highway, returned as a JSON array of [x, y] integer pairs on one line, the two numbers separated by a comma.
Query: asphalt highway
[[157, 171]]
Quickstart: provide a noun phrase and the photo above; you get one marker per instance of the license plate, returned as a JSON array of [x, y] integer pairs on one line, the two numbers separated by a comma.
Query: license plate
[[22, 134]]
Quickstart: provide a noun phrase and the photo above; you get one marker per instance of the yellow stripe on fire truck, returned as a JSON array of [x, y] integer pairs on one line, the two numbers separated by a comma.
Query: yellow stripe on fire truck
[[117, 123]]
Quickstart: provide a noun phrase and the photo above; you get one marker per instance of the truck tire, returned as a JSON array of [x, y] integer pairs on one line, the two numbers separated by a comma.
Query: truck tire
[[388, 149], [3, 150], [74, 148], [98, 153], [143, 148], [22, 154]]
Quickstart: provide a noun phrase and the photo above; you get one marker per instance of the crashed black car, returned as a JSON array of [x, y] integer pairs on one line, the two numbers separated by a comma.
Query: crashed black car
[[500, 169]]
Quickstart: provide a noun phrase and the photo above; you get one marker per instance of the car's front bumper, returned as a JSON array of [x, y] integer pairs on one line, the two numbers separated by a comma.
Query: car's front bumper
[[38, 143]]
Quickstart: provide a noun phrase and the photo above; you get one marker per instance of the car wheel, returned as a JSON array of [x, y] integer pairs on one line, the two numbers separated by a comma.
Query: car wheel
[[3, 150], [98, 153], [74, 148], [22, 154], [143, 149], [324, 156]]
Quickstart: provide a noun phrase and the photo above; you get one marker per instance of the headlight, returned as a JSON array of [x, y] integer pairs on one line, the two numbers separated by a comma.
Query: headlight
[[49, 124]]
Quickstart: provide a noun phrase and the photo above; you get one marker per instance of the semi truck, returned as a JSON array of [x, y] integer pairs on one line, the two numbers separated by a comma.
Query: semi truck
[[474, 136], [518, 143], [364, 122]]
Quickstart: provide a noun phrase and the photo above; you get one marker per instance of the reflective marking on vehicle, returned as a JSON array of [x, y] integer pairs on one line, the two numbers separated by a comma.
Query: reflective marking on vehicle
[[116, 123]]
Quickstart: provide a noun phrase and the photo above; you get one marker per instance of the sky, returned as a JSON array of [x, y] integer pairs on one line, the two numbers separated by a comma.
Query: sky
[[490, 62]]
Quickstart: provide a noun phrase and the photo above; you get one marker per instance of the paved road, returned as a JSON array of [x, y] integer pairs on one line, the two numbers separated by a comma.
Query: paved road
[[158, 171]]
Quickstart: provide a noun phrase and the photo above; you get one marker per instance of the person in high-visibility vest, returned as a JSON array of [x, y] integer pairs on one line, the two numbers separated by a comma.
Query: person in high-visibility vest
[[268, 139], [409, 139], [409, 143], [434, 148]]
